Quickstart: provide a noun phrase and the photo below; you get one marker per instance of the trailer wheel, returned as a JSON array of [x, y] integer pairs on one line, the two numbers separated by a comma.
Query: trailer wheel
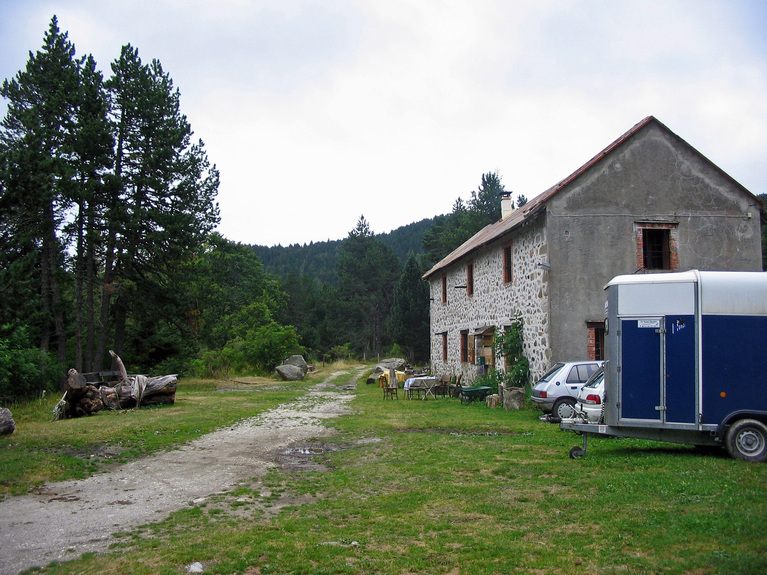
[[747, 440], [576, 452], [564, 408]]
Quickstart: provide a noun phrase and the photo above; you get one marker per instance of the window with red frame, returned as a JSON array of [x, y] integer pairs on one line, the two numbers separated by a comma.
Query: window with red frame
[[444, 289], [444, 346], [596, 343], [656, 245], [464, 346], [507, 264]]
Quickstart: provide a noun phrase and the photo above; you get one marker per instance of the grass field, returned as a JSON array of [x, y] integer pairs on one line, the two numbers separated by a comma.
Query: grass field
[[418, 487]]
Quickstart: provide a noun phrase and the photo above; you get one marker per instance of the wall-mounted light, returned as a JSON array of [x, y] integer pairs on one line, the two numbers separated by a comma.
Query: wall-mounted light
[[544, 265]]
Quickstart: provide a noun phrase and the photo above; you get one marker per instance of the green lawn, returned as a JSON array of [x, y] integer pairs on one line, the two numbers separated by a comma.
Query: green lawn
[[440, 487]]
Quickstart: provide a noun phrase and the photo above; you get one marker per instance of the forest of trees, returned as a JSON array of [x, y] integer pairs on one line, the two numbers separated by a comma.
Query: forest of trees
[[108, 213], [371, 300], [319, 259], [107, 208]]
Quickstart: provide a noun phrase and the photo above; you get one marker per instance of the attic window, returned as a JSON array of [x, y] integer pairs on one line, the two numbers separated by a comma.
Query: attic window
[[656, 246], [655, 250], [470, 278]]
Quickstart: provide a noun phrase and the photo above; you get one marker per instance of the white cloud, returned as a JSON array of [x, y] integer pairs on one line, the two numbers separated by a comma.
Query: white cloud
[[319, 112]]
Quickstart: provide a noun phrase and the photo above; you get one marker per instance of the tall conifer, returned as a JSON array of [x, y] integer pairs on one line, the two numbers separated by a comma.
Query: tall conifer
[[36, 145]]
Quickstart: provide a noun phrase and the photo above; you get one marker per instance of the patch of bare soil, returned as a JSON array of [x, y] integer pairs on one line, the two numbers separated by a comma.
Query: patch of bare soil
[[61, 521]]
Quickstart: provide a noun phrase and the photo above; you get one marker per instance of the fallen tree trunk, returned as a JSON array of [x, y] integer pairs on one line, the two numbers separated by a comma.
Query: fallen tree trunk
[[83, 398], [141, 390]]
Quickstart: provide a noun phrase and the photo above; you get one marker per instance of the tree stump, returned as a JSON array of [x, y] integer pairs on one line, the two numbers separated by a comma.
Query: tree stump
[[513, 398], [80, 398], [493, 400]]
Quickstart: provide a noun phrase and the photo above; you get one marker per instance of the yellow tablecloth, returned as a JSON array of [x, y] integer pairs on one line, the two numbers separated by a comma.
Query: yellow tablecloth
[[401, 377]]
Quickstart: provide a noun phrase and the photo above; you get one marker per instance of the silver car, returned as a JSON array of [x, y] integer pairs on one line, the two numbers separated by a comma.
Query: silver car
[[557, 390]]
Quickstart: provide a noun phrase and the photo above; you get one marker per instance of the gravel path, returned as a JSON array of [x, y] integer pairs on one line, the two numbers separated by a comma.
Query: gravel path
[[64, 520]]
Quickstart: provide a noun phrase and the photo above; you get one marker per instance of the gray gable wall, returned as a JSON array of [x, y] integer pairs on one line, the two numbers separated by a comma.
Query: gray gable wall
[[652, 178]]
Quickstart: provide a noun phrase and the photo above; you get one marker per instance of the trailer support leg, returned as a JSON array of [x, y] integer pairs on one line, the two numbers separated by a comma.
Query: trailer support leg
[[577, 452]]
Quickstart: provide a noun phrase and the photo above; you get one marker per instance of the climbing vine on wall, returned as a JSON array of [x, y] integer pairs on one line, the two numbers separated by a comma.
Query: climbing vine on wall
[[509, 344]]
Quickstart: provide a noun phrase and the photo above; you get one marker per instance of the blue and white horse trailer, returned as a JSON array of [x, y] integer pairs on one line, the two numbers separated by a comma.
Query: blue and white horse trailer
[[687, 361]]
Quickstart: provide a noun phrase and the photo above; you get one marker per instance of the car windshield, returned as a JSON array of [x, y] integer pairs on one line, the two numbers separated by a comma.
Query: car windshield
[[552, 372], [596, 379]]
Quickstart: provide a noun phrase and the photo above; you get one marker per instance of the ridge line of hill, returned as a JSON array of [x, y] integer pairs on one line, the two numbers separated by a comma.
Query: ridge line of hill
[[318, 259]]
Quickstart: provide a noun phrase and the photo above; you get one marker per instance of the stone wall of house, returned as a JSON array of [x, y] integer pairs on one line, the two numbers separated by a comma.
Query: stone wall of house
[[494, 303]]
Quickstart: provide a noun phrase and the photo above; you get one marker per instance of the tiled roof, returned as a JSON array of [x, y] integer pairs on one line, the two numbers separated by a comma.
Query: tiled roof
[[526, 213]]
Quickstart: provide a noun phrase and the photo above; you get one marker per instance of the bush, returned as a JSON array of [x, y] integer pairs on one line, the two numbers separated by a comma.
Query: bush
[[339, 352], [493, 379], [219, 363], [25, 372], [261, 351], [267, 347]]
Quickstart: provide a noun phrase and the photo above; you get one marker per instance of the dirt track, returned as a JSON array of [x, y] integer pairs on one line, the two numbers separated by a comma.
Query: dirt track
[[63, 520]]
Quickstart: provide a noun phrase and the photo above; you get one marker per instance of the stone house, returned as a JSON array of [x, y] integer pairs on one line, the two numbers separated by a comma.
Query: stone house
[[647, 202]]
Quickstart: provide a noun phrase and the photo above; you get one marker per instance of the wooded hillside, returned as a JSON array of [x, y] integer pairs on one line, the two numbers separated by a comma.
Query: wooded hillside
[[320, 259]]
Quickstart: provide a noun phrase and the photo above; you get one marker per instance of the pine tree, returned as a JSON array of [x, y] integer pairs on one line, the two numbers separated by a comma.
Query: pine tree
[[36, 143], [409, 318], [92, 162], [467, 218], [367, 272], [164, 204]]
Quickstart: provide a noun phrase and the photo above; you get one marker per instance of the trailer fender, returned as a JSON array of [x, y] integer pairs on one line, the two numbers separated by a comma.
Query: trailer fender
[[731, 418]]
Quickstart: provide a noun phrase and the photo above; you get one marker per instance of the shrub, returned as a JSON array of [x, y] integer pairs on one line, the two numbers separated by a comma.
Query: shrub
[[266, 347], [26, 372], [488, 379], [220, 363]]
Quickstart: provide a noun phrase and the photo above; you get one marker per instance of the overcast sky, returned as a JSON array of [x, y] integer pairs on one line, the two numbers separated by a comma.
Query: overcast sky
[[318, 112]]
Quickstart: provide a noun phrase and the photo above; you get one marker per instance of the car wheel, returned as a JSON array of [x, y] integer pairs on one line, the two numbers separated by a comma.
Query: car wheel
[[564, 408], [747, 440]]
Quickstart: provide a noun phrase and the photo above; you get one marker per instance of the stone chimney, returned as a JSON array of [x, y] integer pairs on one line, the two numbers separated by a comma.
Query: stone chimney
[[507, 204]]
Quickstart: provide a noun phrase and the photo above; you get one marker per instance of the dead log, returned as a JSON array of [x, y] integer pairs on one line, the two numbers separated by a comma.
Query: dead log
[[160, 390], [75, 381], [141, 390], [109, 398], [80, 398], [83, 398], [120, 366], [7, 425]]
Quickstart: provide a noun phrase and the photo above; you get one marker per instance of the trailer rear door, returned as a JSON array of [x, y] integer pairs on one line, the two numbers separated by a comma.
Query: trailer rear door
[[680, 394], [658, 369], [640, 368]]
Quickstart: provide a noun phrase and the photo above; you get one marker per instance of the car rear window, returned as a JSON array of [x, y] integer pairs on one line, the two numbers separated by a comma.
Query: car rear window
[[552, 372], [596, 381]]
